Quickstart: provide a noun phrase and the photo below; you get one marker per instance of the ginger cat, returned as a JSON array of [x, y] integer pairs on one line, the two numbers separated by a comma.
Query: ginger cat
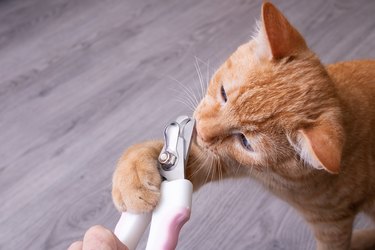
[[275, 113]]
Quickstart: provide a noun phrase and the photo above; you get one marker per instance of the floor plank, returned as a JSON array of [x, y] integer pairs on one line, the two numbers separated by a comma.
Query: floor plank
[[82, 80]]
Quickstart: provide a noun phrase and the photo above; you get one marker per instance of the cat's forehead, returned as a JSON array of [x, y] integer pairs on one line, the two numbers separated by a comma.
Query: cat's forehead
[[243, 57], [235, 68], [240, 66]]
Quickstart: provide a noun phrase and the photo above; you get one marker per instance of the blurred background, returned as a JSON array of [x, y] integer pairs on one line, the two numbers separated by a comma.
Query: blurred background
[[82, 80]]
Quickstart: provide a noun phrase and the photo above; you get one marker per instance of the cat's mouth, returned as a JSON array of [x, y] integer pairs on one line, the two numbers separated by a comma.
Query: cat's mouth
[[206, 147]]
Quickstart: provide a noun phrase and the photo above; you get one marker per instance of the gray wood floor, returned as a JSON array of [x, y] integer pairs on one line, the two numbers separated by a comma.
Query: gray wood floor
[[82, 80]]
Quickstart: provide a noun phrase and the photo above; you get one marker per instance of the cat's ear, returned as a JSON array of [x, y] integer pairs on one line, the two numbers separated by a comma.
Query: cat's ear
[[281, 38], [321, 145]]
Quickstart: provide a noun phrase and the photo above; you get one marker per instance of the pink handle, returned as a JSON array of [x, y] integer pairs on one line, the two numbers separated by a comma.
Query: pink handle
[[172, 212], [178, 220]]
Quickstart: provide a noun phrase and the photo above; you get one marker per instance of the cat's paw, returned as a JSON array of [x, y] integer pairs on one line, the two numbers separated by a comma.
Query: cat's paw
[[136, 181]]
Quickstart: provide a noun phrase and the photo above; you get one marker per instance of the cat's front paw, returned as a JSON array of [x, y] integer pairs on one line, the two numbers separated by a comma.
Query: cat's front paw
[[136, 181]]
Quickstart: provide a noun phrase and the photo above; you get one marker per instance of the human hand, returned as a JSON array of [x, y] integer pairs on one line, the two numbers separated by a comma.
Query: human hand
[[98, 238]]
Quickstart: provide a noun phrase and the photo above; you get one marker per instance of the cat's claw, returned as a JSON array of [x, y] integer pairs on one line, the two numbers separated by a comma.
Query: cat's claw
[[137, 199]]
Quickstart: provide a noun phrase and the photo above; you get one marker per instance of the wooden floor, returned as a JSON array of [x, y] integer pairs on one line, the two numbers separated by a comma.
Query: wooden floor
[[82, 80]]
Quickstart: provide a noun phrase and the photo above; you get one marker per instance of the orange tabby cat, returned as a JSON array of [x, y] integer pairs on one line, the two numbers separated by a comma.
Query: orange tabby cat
[[274, 112]]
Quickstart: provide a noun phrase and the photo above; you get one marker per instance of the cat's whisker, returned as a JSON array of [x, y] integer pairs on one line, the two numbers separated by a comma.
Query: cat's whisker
[[200, 158], [239, 165], [186, 101], [218, 168], [198, 170], [187, 97], [220, 171], [182, 93], [200, 77], [211, 173], [207, 175], [221, 177], [215, 169], [186, 104], [208, 70], [193, 94], [237, 169], [207, 75], [187, 91], [210, 168]]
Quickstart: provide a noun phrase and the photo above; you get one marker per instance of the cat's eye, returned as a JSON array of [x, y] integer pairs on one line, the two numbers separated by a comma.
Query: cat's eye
[[223, 94], [245, 143]]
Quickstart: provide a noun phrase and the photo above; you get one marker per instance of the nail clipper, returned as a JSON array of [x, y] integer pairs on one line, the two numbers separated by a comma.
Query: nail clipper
[[174, 207]]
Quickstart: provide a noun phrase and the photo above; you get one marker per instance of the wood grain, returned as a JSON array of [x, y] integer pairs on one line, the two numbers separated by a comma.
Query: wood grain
[[82, 80]]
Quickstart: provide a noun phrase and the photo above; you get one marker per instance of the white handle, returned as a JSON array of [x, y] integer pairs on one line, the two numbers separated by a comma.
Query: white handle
[[130, 228], [172, 212]]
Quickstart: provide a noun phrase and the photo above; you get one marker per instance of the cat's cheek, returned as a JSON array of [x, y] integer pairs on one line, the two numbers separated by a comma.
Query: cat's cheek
[[244, 156]]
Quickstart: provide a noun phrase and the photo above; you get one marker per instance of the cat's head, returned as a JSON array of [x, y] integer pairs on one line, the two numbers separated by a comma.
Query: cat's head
[[272, 102]]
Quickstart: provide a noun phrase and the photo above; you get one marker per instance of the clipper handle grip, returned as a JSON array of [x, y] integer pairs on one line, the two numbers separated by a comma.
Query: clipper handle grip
[[172, 212], [130, 228]]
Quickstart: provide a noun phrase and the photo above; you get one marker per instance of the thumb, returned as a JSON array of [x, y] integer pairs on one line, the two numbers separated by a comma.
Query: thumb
[[119, 244], [101, 238]]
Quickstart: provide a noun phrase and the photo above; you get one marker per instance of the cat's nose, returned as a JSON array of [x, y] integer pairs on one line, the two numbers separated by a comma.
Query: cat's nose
[[203, 133], [200, 132]]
